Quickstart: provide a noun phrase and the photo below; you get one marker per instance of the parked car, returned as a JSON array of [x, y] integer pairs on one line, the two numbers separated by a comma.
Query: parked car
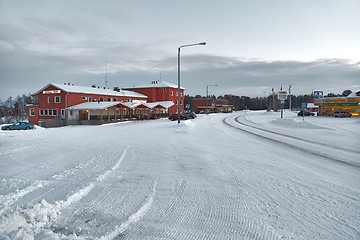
[[305, 113], [342, 114], [175, 117], [18, 126], [190, 115]]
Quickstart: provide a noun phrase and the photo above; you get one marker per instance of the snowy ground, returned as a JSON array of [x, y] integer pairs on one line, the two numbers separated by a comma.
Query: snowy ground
[[246, 175]]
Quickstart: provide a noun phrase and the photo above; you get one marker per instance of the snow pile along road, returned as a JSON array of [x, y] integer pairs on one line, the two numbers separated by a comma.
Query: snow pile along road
[[246, 175]]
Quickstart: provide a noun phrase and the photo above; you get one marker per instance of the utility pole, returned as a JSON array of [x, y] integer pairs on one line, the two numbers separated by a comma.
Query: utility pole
[[290, 97]]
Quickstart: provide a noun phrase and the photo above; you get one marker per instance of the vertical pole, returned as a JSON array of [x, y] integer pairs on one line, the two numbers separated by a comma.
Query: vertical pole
[[290, 97], [178, 102]]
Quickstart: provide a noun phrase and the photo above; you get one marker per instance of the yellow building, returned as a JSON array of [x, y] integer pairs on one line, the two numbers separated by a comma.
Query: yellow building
[[329, 105]]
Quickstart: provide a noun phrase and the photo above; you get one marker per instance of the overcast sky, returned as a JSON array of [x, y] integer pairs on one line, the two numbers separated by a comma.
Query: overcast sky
[[252, 46]]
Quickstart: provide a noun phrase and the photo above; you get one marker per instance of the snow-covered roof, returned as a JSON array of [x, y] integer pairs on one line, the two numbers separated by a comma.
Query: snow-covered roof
[[164, 104], [91, 90], [93, 105], [131, 105], [157, 84]]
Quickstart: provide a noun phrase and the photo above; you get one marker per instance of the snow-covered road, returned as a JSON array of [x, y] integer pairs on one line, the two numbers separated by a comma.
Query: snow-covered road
[[214, 177]]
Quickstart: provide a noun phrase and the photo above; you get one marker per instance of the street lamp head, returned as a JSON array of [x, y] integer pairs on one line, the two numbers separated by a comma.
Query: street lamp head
[[202, 43]]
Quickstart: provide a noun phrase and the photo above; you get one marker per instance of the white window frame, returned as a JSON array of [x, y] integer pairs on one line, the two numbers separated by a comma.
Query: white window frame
[[48, 99], [32, 112], [171, 93], [84, 98], [57, 97], [101, 99], [89, 99]]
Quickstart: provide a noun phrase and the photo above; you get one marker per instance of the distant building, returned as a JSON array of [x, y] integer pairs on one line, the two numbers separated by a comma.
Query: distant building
[[161, 91], [328, 105], [199, 105]]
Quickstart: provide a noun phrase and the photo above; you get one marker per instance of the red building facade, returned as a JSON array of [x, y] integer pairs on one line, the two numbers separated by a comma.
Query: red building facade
[[55, 101], [51, 101], [162, 91]]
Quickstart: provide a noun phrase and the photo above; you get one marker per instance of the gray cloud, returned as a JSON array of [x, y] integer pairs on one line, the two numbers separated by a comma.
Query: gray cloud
[[30, 61]]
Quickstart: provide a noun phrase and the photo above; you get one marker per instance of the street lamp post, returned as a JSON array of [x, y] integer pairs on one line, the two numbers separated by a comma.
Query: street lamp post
[[178, 102], [207, 89]]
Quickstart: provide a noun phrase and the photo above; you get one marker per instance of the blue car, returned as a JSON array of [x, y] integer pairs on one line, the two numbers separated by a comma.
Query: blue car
[[18, 126]]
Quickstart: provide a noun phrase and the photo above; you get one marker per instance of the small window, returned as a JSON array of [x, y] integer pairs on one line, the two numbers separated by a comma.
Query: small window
[[177, 94], [41, 112], [54, 112], [115, 100], [101, 99], [57, 99], [109, 99], [89, 99], [171, 93], [180, 94], [48, 99], [32, 112], [45, 112], [83, 98]]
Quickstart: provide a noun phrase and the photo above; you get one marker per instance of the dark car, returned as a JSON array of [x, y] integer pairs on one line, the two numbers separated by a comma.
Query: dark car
[[175, 117], [19, 126], [190, 115], [305, 113], [342, 114]]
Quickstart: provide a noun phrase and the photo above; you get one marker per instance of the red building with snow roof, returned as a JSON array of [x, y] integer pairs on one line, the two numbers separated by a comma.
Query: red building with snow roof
[[161, 91], [64, 104], [51, 101]]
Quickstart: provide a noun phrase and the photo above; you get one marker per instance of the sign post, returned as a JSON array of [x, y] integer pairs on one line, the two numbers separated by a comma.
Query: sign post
[[282, 95], [303, 107]]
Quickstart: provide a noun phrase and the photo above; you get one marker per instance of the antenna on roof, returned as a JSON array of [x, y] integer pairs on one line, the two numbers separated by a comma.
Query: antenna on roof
[[160, 78], [106, 74]]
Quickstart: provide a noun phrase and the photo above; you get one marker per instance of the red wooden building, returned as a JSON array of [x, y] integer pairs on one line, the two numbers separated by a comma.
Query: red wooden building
[[161, 91], [64, 104]]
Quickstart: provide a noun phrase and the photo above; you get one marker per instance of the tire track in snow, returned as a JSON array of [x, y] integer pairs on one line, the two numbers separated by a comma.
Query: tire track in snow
[[43, 214], [7, 200], [293, 137], [133, 218], [298, 147]]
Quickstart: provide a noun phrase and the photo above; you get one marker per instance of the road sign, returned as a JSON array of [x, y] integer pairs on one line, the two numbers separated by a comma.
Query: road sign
[[282, 95], [318, 94], [303, 105]]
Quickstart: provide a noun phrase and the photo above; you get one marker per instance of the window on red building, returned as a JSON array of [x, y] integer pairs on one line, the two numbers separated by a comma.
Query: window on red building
[[57, 99]]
